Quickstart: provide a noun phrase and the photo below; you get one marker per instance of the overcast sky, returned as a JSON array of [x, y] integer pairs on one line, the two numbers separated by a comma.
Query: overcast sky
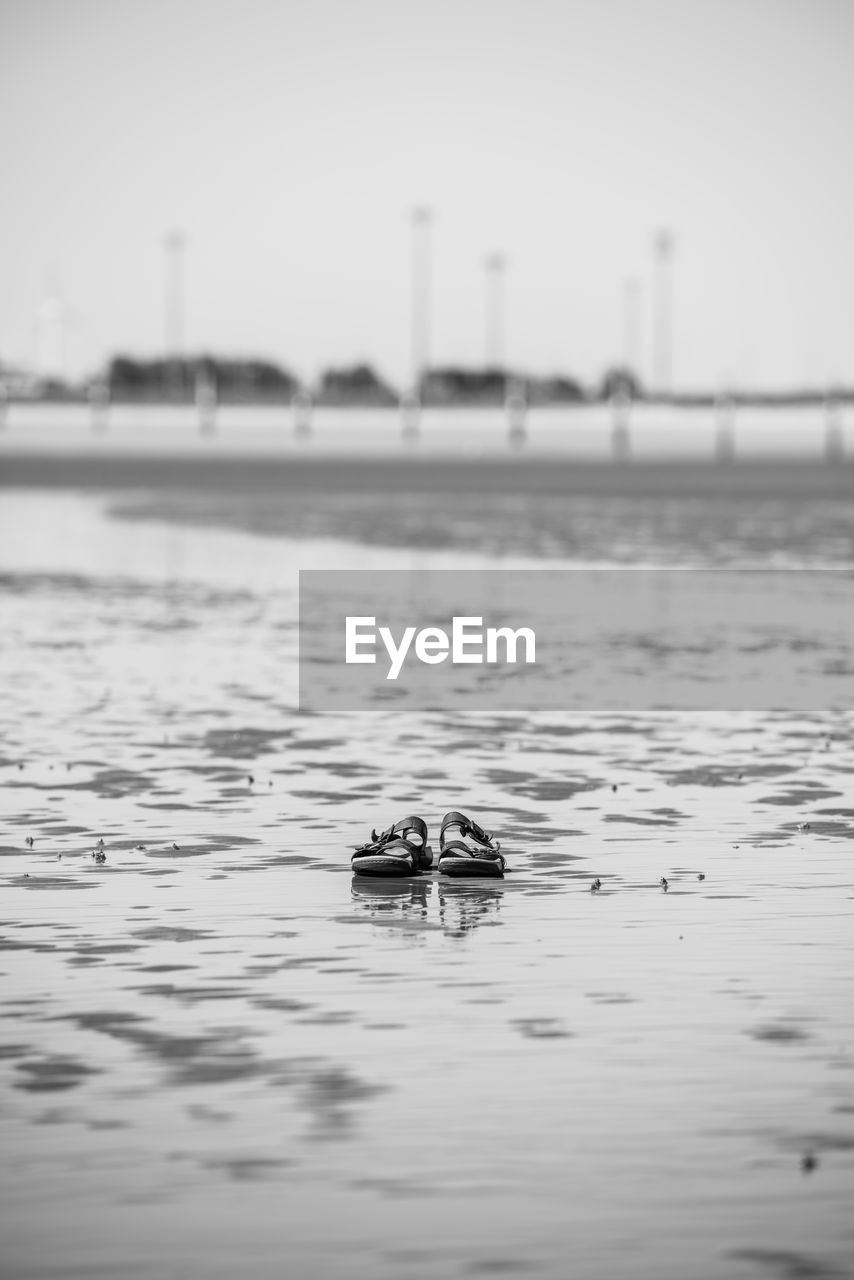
[[289, 140]]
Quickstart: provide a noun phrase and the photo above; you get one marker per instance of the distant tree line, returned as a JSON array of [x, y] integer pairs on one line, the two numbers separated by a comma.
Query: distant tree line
[[253, 381], [354, 384], [450, 385], [256, 381], [129, 378], [178, 379]]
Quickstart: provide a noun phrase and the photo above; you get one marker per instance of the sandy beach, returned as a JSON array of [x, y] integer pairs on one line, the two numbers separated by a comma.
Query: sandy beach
[[409, 411], [219, 1050]]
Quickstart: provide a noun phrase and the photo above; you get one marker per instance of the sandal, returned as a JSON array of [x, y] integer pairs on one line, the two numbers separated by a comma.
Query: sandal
[[465, 849], [401, 850]]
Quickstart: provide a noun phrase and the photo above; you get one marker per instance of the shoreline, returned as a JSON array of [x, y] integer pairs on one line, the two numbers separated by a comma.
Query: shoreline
[[741, 479]]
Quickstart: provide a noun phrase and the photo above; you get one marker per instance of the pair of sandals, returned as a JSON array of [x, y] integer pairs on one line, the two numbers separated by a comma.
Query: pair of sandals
[[465, 849]]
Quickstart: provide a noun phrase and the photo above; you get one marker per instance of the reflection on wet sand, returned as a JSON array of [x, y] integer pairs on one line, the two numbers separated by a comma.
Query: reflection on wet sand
[[464, 907], [393, 900], [458, 907]]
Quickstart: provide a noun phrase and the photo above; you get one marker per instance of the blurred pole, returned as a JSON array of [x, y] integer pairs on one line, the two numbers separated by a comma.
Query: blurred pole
[[834, 443], [663, 364], [410, 415], [632, 325], [174, 245], [621, 439], [496, 265], [206, 400], [99, 404], [725, 434], [422, 218], [52, 336], [302, 411], [516, 408]]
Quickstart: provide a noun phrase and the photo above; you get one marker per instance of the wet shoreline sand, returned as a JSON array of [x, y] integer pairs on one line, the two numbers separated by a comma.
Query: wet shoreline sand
[[220, 1054], [102, 469]]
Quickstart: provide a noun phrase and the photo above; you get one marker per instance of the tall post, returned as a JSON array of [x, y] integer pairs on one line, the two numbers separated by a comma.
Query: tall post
[[52, 318], [631, 357], [422, 218], [302, 408], [496, 265], [663, 367], [173, 314], [98, 394], [174, 245], [206, 395]]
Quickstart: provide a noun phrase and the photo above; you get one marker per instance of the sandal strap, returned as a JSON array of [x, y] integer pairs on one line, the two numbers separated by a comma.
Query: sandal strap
[[466, 826], [412, 823], [456, 846], [396, 833]]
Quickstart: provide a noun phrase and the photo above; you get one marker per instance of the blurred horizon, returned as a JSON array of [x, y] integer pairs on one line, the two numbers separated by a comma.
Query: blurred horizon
[[289, 146], [207, 378]]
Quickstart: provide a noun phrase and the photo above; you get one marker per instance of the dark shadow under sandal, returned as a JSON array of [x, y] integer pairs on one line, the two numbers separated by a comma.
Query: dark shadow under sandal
[[401, 850], [465, 849]]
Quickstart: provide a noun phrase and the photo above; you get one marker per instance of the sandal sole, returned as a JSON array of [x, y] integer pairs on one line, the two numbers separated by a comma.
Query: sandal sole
[[380, 866], [484, 868]]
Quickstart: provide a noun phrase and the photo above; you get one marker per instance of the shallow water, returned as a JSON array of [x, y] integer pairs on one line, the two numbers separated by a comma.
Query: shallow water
[[229, 1056]]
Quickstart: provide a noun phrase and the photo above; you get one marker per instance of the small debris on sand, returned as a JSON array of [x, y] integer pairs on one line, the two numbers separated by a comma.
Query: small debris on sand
[[664, 884], [701, 876], [29, 842], [596, 885], [176, 847], [809, 1162]]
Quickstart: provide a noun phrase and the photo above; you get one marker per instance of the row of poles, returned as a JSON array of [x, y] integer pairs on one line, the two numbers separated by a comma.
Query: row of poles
[[496, 310], [515, 411], [422, 219], [725, 450], [496, 266], [515, 400], [175, 244]]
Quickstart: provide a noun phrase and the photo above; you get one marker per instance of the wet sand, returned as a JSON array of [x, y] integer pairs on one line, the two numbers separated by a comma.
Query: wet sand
[[220, 1054], [203, 468]]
